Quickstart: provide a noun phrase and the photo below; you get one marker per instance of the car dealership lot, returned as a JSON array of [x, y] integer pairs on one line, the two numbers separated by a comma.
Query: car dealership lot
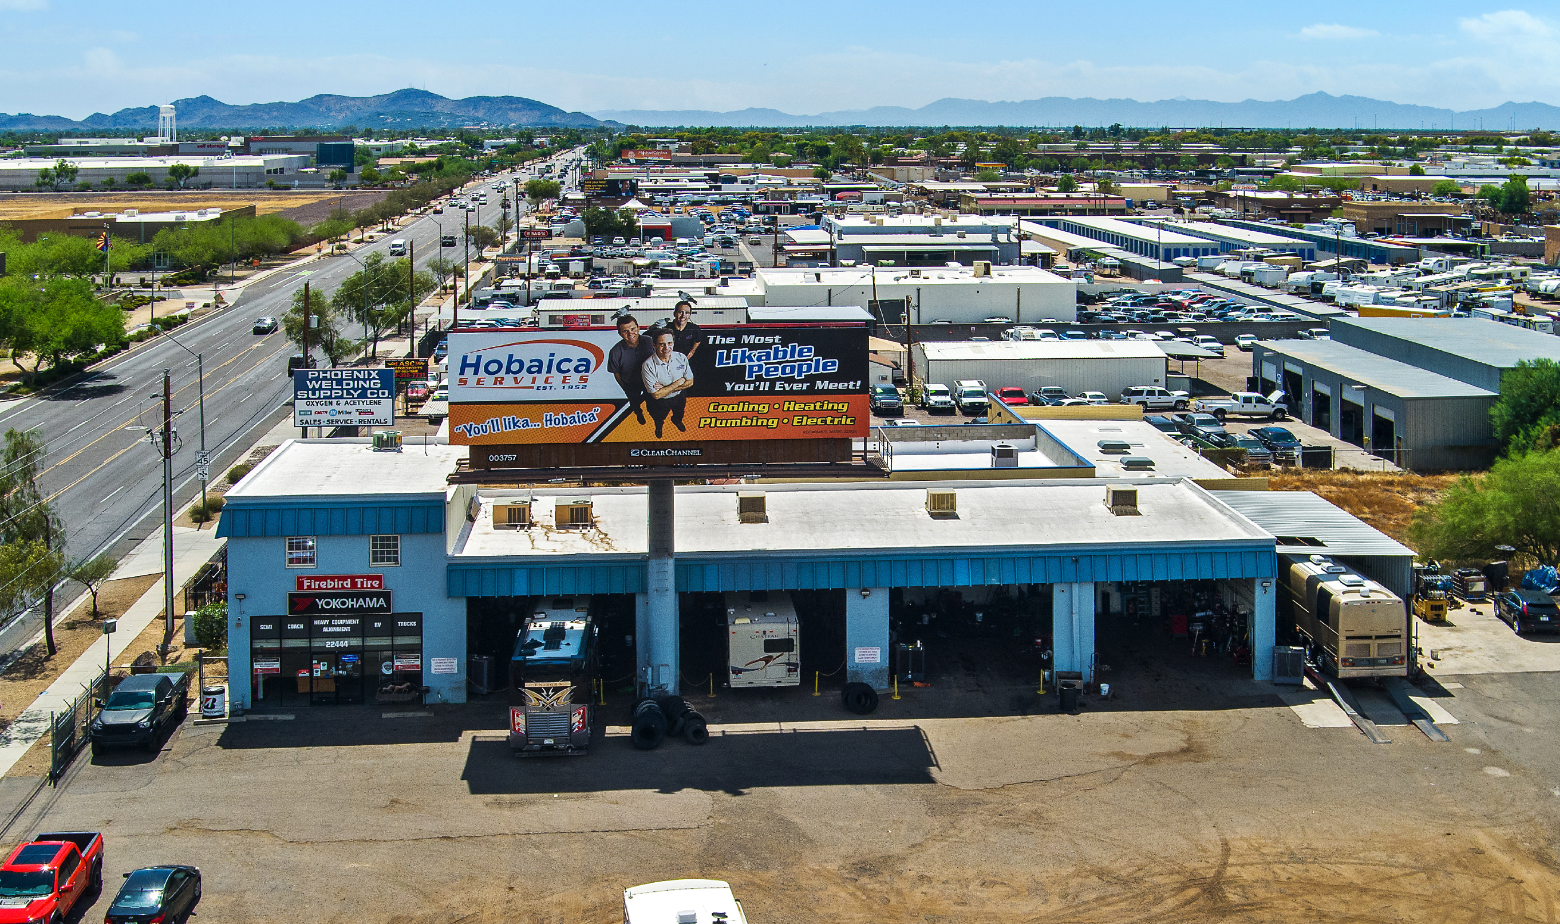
[[1192, 794]]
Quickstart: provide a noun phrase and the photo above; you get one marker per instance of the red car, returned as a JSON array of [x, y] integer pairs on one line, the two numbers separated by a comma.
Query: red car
[[43, 880], [416, 391], [1012, 394]]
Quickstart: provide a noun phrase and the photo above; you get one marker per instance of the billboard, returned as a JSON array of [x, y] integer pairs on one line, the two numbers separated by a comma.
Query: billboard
[[408, 369], [658, 387], [343, 397]]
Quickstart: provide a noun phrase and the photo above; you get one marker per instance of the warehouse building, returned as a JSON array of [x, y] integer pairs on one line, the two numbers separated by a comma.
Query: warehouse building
[[220, 172], [1161, 244], [1353, 248], [960, 295], [1074, 365], [1231, 238], [361, 576], [920, 240], [126, 224], [1406, 414]]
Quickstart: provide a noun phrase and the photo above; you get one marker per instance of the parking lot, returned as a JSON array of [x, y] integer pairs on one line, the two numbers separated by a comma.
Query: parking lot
[[1190, 795]]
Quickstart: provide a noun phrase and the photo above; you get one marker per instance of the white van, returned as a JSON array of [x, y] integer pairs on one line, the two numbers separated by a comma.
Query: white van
[[398, 248]]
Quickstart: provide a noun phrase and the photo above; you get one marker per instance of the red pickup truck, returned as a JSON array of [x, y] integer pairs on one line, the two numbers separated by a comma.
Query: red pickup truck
[[45, 878]]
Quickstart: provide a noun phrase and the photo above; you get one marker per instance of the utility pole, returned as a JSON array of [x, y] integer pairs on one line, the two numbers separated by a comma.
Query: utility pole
[[167, 454], [411, 286], [305, 338]]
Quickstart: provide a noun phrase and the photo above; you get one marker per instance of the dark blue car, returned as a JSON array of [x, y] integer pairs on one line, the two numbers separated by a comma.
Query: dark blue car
[[166, 894]]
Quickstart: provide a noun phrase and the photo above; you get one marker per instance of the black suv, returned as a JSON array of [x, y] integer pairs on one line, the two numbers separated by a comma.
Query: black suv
[[1280, 442], [885, 400], [1528, 610], [140, 711]]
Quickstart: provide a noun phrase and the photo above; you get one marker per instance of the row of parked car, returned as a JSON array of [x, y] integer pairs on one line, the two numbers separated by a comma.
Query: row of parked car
[[1262, 445]]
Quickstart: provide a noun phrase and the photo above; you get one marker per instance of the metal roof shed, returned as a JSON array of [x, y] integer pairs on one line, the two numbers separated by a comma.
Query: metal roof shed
[[1416, 417], [1472, 350], [1306, 524]]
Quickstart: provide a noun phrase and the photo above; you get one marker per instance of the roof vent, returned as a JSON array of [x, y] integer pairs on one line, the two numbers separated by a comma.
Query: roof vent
[[687, 917], [1004, 455], [572, 513], [751, 508], [387, 440], [942, 503], [1115, 446], [1141, 463], [512, 515], [1122, 501]]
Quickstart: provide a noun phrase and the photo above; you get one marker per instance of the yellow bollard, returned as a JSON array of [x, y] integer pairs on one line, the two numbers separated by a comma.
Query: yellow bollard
[[1041, 691], [815, 684], [712, 685], [896, 686], [601, 690]]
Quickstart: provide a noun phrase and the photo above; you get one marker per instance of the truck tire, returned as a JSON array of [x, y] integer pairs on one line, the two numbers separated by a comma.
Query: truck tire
[[647, 736], [1180, 405], [1279, 413], [696, 731], [1219, 414], [97, 878], [675, 710], [859, 698]]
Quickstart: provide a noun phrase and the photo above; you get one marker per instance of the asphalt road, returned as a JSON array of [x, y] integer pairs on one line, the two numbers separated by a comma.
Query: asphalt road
[[102, 475]]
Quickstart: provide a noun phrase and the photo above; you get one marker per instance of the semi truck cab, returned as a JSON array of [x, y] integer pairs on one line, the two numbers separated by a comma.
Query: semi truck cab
[[552, 677]]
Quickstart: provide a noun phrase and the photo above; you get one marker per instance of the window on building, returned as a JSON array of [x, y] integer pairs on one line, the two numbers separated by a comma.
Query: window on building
[[384, 551], [301, 552]]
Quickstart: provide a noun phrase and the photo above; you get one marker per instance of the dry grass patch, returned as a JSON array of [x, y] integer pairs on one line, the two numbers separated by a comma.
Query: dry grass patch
[[1385, 500]]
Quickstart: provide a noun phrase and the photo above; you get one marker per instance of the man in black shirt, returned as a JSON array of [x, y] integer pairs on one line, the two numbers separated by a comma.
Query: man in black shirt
[[686, 336], [624, 362]]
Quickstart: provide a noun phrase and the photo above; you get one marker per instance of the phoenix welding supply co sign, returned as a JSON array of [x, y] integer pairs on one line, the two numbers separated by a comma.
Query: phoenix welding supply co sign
[[343, 397], [658, 387]]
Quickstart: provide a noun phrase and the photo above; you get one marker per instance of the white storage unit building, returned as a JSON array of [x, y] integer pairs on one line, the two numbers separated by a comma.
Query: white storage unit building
[[1075, 365], [1023, 294]]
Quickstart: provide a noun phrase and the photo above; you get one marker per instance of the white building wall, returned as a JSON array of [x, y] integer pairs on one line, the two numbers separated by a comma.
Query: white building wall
[[1025, 302]]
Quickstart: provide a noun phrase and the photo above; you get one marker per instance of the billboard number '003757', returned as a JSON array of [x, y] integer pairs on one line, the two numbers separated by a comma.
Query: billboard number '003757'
[[669, 384]]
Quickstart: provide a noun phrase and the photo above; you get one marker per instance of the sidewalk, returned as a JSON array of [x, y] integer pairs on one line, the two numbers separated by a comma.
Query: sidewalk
[[191, 549]]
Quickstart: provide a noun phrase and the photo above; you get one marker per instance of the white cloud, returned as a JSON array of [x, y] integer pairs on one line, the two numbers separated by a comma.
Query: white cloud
[[1337, 33]]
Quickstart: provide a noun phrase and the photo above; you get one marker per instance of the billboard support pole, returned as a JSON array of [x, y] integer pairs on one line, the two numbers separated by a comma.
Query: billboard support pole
[[661, 584]]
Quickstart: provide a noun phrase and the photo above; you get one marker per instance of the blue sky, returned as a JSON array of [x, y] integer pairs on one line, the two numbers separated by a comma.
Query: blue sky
[[74, 57]]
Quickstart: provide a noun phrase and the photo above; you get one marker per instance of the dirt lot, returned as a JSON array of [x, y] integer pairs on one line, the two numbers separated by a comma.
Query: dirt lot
[[1385, 500], [1195, 796], [303, 206]]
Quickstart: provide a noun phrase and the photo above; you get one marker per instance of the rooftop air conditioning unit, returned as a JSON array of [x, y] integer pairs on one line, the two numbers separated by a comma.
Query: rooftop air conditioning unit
[[915, 274], [1004, 455], [982, 268], [387, 440], [1122, 501], [512, 515], [961, 234], [751, 508], [942, 502], [131, 213], [572, 513]]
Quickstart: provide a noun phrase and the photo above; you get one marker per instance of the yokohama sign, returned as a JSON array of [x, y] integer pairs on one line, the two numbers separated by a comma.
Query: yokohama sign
[[345, 601]]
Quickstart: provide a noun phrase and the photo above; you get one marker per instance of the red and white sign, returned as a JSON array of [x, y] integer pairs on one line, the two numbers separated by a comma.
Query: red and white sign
[[314, 583]]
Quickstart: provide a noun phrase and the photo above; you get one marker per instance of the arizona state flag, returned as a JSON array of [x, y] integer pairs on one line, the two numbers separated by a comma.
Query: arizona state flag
[[102, 244]]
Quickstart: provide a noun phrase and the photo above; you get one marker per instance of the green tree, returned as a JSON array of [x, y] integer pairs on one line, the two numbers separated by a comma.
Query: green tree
[[1516, 504], [211, 625], [1529, 401], [370, 177], [821, 172], [1067, 184], [33, 536], [337, 176], [380, 296], [482, 237], [442, 268], [987, 176], [1445, 188], [178, 173], [538, 190], [1104, 186], [1416, 170], [138, 178], [55, 319], [1491, 194], [1514, 197], [326, 331], [92, 573]]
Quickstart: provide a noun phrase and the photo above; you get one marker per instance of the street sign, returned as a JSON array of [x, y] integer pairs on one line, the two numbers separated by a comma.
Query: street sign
[[204, 472], [343, 397], [202, 457]]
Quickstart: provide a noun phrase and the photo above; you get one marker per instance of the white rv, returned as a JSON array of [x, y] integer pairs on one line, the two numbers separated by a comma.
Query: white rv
[[763, 646], [682, 901]]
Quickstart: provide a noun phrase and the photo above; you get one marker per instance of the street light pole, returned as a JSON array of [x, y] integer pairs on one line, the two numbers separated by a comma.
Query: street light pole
[[167, 454]]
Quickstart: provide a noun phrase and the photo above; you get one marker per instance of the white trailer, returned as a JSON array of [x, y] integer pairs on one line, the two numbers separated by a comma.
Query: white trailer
[[762, 638]]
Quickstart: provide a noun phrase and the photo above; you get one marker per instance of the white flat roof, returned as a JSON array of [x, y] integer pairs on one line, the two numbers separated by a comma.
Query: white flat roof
[[868, 517], [957, 350], [837, 277], [349, 467], [1171, 459], [1134, 230]]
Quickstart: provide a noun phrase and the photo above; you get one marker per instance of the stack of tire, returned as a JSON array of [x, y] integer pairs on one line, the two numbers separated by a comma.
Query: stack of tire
[[859, 698], [657, 717]]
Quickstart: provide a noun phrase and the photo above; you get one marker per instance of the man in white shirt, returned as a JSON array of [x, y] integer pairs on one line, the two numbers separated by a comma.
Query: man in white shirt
[[666, 376]]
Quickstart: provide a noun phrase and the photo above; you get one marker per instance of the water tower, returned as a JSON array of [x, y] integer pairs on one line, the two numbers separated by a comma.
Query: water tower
[[167, 125]]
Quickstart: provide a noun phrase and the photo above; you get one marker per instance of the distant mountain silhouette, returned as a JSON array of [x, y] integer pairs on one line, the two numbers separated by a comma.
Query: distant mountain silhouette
[[401, 109], [1315, 110]]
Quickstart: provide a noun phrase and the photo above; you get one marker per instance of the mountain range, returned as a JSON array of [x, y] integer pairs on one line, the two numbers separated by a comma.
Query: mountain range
[[1314, 110], [401, 109]]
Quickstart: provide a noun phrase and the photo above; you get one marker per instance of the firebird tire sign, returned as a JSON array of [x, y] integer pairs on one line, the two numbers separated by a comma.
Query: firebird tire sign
[[623, 385], [343, 397]]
